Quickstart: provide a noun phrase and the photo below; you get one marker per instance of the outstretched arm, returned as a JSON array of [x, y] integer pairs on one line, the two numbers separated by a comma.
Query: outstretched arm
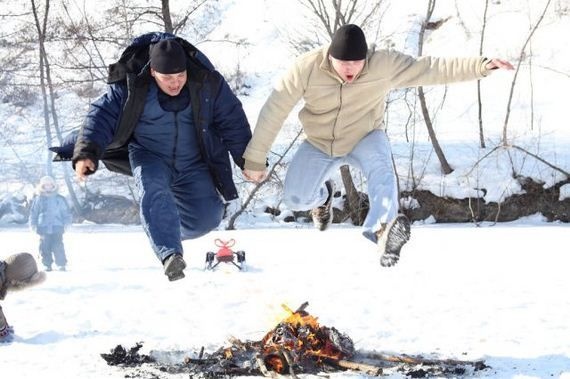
[[405, 71]]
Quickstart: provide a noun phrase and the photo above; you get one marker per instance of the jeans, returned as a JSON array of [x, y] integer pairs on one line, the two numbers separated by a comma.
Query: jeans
[[174, 205], [310, 168]]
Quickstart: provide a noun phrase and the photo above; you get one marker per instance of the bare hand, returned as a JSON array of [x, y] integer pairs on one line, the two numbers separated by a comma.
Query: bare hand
[[83, 168], [495, 63], [255, 176]]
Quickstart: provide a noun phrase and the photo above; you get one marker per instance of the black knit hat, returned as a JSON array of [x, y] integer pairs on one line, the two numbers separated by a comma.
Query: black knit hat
[[168, 57], [348, 43]]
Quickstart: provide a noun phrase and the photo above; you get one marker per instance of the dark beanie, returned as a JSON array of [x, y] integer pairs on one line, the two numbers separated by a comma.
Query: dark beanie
[[168, 57], [348, 43]]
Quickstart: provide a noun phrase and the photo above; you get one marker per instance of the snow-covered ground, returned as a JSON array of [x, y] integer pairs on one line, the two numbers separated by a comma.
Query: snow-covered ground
[[497, 293]]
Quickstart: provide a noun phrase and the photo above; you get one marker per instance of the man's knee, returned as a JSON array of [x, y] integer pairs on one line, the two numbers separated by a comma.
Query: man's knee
[[297, 203], [194, 226], [199, 228]]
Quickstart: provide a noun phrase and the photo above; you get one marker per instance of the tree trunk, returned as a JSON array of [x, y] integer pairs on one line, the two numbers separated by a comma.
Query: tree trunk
[[446, 168], [166, 16], [479, 101], [45, 81], [41, 40], [357, 202]]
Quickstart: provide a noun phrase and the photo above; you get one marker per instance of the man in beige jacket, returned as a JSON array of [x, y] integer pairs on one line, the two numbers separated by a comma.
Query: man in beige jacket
[[344, 88]]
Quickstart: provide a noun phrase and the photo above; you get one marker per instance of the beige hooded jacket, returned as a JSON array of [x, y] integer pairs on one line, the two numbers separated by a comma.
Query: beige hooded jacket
[[337, 115]]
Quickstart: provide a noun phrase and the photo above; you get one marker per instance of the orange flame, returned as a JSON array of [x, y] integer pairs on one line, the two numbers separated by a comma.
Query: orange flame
[[300, 333], [228, 353], [275, 363]]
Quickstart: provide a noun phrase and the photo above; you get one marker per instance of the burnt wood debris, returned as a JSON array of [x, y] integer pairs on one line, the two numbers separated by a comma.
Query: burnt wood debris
[[296, 345]]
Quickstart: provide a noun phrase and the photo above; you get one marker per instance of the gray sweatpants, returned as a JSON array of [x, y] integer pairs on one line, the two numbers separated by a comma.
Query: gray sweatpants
[[310, 168]]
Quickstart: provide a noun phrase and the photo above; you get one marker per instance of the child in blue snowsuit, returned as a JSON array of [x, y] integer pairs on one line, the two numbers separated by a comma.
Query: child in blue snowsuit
[[49, 217]]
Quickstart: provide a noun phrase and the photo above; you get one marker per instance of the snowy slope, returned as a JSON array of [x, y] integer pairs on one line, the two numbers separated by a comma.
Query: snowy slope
[[498, 293]]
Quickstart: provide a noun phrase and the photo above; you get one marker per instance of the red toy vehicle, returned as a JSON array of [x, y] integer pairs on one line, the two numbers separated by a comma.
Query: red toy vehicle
[[225, 254]]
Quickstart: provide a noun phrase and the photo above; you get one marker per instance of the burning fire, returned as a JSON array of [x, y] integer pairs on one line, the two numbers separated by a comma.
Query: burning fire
[[298, 344], [298, 337]]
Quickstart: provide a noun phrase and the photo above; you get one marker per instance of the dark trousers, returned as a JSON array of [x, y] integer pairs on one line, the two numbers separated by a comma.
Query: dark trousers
[[174, 205], [51, 246]]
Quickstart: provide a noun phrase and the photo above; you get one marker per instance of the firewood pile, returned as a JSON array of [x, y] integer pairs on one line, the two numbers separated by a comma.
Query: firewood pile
[[296, 345]]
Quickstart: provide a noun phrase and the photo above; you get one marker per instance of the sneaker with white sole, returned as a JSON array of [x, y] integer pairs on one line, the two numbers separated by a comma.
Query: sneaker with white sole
[[391, 238]]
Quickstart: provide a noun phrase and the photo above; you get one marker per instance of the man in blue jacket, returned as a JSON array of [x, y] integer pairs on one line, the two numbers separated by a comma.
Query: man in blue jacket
[[177, 118]]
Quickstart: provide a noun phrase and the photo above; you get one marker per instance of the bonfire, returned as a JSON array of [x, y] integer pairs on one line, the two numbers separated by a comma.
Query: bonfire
[[296, 345]]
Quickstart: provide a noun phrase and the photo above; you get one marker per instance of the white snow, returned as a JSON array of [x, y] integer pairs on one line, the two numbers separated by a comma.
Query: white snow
[[495, 292], [498, 292]]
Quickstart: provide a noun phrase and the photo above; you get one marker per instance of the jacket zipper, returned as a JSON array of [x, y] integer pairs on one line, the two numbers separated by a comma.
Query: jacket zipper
[[176, 126], [336, 118]]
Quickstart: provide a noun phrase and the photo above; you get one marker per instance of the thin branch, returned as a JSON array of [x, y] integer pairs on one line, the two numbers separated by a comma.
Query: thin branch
[[521, 57], [482, 159], [556, 168], [231, 221]]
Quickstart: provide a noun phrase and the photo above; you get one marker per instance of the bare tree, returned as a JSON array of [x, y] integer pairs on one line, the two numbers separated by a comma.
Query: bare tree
[[324, 17], [201, 12], [46, 85], [41, 26], [333, 14], [505, 146], [479, 101], [520, 60], [445, 167], [166, 16]]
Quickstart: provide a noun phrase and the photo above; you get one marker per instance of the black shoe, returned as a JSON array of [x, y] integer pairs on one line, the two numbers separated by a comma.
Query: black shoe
[[323, 216], [174, 266], [391, 238]]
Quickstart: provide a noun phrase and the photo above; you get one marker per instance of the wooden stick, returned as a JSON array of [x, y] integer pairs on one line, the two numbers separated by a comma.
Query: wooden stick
[[302, 307], [263, 368], [415, 360], [289, 361], [363, 367], [200, 361]]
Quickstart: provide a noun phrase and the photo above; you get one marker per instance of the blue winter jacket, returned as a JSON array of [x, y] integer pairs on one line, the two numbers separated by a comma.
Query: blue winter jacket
[[49, 214], [219, 120]]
